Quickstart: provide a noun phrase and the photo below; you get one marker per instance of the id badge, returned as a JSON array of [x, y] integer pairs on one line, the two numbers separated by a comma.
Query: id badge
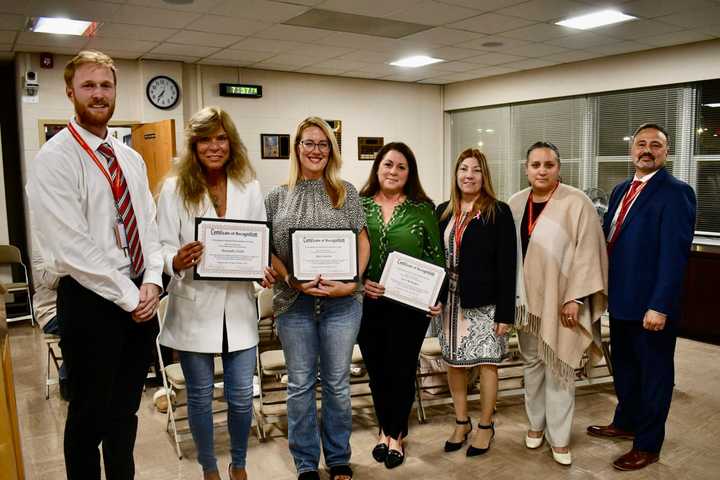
[[120, 236]]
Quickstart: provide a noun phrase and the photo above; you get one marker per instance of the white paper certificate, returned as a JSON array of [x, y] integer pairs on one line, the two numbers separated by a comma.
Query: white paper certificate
[[232, 249], [331, 253], [411, 281]]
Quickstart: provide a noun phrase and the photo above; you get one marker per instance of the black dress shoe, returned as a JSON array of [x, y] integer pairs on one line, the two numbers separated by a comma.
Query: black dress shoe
[[474, 451], [454, 446], [312, 475], [394, 458], [380, 452]]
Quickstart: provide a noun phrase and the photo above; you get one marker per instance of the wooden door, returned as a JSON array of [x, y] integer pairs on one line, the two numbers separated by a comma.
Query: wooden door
[[156, 143]]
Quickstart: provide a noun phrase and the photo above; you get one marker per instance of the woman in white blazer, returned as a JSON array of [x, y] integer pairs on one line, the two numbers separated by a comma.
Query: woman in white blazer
[[204, 318]]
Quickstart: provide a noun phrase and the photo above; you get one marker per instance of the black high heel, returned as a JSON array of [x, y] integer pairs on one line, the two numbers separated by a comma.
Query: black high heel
[[454, 446], [394, 458], [380, 452], [474, 451]]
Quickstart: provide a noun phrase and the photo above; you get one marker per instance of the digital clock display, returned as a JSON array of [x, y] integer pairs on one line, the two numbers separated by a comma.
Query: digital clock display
[[240, 90]]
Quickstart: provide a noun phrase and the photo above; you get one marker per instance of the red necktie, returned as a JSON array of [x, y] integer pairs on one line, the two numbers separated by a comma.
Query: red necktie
[[627, 201], [125, 208]]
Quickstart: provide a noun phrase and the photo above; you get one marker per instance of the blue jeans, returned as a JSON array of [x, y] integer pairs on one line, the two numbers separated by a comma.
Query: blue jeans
[[319, 332], [238, 369], [52, 327]]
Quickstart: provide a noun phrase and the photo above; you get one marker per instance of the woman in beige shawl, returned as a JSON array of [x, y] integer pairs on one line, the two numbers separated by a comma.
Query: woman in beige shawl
[[561, 293]]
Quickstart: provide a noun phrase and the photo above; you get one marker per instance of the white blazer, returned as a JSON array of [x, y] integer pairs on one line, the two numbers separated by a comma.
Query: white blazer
[[194, 319]]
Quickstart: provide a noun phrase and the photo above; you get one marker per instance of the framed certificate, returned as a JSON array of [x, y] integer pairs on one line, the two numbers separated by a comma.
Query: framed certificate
[[331, 253], [411, 281], [232, 249]]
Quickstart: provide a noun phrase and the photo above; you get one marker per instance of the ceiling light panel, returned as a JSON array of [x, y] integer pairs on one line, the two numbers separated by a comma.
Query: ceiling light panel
[[597, 19]]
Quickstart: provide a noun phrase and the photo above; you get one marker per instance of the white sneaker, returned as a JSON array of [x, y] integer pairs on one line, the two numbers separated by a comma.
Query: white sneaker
[[562, 458], [532, 442]]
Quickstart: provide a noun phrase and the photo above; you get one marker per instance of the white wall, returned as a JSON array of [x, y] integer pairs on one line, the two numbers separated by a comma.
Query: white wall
[[663, 66], [411, 113]]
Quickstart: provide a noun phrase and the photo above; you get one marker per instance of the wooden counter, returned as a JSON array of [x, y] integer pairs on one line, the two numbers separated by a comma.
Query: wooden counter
[[701, 296], [10, 451]]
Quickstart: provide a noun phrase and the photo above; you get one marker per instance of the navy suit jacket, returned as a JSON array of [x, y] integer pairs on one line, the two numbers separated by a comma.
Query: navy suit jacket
[[647, 262]]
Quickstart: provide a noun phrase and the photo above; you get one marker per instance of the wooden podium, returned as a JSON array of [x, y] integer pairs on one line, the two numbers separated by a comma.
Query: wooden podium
[[10, 451]]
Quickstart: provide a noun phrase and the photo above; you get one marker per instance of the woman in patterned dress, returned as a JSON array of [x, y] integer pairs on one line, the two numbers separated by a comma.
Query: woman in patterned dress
[[318, 320], [479, 235], [400, 218]]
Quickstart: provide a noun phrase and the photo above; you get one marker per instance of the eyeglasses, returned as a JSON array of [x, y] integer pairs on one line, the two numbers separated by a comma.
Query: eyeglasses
[[309, 146]]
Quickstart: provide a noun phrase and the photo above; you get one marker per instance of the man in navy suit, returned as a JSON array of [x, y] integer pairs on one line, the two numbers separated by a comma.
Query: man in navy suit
[[649, 227]]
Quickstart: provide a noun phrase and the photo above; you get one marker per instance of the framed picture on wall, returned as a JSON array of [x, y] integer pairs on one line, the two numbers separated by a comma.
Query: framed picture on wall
[[368, 147], [274, 146], [336, 126]]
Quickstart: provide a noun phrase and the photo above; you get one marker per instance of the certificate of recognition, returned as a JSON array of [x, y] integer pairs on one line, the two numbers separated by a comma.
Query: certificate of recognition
[[331, 253], [411, 281], [232, 249]]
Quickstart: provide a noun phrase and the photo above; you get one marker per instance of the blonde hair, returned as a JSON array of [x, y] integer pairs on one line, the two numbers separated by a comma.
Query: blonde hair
[[191, 183], [334, 186], [88, 56], [486, 203]]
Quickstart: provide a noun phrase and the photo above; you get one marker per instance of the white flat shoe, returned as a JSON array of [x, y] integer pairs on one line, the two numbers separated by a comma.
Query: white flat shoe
[[532, 442], [562, 458]]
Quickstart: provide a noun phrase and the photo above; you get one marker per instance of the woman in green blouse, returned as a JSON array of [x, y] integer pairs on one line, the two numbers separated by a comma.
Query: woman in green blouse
[[399, 217]]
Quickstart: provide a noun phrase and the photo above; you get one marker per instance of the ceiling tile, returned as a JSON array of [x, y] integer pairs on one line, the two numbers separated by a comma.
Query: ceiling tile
[[223, 63], [5, 47], [360, 42], [265, 45], [194, 6], [545, 10], [315, 70], [103, 44], [372, 8], [12, 22], [582, 40], [701, 17], [457, 66], [227, 25], [659, 8], [637, 29], [484, 5], [405, 77], [539, 32], [366, 56], [573, 56], [134, 32], [490, 71], [242, 56], [453, 53], [57, 50], [535, 50], [713, 30], [430, 12], [7, 36], [491, 23], [268, 12], [170, 57], [507, 43], [360, 74], [184, 50], [293, 33], [620, 47], [51, 40], [441, 36], [292, 59], [126, 54], [205, 39], [493, 59], [275, 66], [676, 38], [529, 64], [154, 17], [340, 64], [436, 81]]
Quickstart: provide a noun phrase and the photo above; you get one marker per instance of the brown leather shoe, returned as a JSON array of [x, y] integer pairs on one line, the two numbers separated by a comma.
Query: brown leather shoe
[[635, 460], [609, 431]]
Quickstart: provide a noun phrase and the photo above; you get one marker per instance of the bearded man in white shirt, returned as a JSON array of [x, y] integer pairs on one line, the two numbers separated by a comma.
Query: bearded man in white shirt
[[94, 216]]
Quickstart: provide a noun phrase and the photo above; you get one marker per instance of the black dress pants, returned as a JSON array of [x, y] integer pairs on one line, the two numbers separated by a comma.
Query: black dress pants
[[644, 376], [390, 339], [107, 356]]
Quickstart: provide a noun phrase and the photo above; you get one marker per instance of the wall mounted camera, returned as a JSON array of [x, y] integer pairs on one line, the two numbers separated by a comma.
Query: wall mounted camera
[[32, 85]]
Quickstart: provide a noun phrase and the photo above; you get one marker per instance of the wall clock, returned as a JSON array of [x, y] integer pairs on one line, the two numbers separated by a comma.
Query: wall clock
[[163, 92]]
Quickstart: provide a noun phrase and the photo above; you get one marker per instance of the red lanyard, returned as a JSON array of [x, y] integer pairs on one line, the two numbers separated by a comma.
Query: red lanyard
[[460, 227], [532, 221], [114, 185]]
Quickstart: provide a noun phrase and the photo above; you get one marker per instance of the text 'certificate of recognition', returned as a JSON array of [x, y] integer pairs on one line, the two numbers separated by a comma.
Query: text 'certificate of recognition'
[[232, 249], [331, 253], [411, 281]]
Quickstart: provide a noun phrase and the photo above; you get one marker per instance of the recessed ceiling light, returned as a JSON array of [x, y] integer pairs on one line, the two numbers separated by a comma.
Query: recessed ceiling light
[[64, 26], [490, 130], [597, 19], [711, 105], [416, 61]]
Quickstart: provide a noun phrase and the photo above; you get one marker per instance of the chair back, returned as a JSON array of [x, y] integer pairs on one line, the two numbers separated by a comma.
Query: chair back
[[9, 254], [265, 303], [162, 310]]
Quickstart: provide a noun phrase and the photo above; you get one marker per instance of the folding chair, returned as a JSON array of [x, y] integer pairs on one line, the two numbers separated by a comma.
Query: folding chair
[[51, 341], [10, 255]]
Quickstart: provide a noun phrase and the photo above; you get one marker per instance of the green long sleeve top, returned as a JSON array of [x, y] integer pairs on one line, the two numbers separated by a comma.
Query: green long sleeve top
[[412, 230]]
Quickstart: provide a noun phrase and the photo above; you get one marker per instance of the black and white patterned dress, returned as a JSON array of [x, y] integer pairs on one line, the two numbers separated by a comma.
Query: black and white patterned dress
[[467, 338], [307, 206]]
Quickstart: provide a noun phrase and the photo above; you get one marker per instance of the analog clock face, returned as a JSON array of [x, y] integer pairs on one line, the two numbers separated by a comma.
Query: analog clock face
[[163, 92]]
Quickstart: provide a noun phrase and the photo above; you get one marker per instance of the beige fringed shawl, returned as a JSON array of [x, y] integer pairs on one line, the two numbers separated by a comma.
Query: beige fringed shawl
[[566, 259]]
